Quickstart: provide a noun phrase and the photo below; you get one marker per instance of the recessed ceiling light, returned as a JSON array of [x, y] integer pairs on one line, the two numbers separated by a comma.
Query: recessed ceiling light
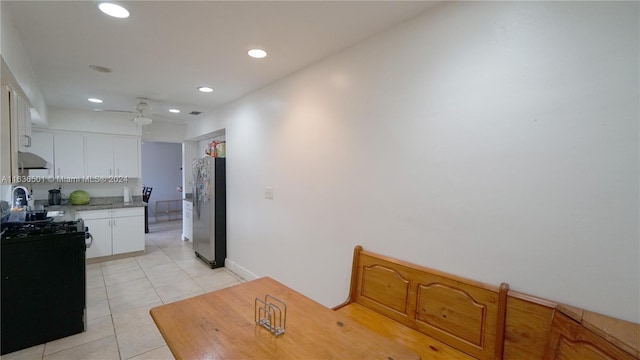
[[114, 10], [257, 53], [175, 111], [99, 68], [205, 89], [95, 100]]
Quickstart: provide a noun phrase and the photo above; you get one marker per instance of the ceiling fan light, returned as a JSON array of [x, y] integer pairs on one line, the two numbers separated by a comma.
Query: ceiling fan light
[[143, 121]]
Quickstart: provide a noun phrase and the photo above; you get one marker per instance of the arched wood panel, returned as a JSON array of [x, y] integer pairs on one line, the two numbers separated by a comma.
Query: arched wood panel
[[386, 287], [453, 311], [570, 340]]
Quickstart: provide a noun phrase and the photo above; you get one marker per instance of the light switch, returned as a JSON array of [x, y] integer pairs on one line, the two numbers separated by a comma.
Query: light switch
[[268, 193]]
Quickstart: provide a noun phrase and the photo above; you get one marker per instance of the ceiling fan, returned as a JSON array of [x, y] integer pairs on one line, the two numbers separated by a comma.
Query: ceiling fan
[[142, 112]]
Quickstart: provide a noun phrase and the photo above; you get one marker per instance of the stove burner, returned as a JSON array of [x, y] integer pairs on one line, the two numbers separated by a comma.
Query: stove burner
[[27, 229]]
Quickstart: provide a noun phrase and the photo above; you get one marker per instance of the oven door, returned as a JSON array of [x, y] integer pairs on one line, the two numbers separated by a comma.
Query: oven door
[[43, 289]]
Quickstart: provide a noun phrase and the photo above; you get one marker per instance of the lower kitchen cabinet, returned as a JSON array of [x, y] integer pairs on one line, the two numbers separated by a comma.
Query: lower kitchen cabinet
[[187, 216], [128, 233], [115, 231], [100, 229]]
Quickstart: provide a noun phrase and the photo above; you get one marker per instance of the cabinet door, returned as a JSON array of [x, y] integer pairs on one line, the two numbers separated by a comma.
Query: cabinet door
[[101, 231], [6, 166], [69, 154], [99, 155], [126, 156], [128, 234], [23, 119], [43, 146], [187, 210]]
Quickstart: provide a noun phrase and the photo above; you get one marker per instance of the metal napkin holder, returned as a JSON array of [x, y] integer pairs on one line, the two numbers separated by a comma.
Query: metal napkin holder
[[271, 314]]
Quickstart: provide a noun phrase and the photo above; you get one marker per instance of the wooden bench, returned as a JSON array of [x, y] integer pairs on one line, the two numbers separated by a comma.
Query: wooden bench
[[541, 329], [442, 316], [437, 315]]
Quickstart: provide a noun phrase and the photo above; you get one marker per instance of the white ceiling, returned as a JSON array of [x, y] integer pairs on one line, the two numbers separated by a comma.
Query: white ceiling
[[166, 49]]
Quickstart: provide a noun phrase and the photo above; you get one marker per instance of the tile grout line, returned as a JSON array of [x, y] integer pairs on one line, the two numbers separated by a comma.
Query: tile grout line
[[115, 335], [44, 347]]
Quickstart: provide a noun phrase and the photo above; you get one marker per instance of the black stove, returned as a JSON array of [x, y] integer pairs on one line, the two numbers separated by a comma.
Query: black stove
[[11, 230], [43, 267]]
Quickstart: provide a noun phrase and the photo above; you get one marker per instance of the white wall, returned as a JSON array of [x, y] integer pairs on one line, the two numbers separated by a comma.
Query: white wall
[[16, 58], [492, 140], [160, 131], [92, 121]]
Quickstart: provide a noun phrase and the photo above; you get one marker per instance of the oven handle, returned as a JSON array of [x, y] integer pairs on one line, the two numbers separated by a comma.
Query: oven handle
[[88, 236]]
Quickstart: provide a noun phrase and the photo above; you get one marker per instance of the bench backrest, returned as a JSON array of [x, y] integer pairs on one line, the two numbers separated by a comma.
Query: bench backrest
[[466, 315], [570, 340]]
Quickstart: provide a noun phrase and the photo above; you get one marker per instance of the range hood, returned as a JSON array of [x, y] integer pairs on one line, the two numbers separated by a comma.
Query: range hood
[[27, 160]]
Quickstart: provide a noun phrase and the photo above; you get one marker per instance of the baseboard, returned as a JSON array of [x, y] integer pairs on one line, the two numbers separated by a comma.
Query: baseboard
[[239, 270]]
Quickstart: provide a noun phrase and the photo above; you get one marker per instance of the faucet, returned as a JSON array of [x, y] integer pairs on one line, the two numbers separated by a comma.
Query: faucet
[[17, 200]]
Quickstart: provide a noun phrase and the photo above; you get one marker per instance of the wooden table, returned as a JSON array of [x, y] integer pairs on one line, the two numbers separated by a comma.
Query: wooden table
[[221, 325]]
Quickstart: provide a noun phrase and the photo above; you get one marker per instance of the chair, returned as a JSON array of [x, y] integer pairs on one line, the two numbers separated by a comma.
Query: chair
[[146, 194]]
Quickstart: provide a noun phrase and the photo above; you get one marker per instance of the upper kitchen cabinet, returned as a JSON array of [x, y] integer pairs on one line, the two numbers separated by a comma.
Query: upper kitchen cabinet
[[23, 122], [126, 156], [42, 145], [69, 154], [109, 155], [5, 134], [100, 155], [16, 130]]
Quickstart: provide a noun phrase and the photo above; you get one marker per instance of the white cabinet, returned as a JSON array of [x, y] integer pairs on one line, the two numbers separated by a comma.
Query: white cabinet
[[113, 156], [15, 130], [23, 119], [81, 154], [6, 165], [126, 156], [115, 231], [69, 154], [187, 215], [99, 155], [42, 145], [128, 230], [99, 224]]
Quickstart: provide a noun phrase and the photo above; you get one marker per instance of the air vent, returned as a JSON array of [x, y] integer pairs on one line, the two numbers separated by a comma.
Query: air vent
[[195, 112]]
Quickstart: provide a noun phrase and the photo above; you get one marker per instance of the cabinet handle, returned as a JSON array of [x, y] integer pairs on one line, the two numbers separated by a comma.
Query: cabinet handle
[[28, 141]]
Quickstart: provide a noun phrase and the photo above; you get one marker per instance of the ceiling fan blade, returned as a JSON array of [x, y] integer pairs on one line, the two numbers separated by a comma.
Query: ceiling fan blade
[[119, 111]]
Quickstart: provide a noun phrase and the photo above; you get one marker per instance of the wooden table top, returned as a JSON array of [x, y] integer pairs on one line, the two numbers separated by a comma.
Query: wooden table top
[[221, 325]]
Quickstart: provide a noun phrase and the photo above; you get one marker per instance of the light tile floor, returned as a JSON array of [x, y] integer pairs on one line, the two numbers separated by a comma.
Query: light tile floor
[[120, 294]]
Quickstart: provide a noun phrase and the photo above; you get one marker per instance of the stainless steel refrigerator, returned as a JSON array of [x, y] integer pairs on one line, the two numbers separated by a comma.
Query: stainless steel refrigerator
[[209, 210]]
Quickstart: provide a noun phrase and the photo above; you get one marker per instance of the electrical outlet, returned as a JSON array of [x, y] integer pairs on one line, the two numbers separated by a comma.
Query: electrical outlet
[[268, 193]]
